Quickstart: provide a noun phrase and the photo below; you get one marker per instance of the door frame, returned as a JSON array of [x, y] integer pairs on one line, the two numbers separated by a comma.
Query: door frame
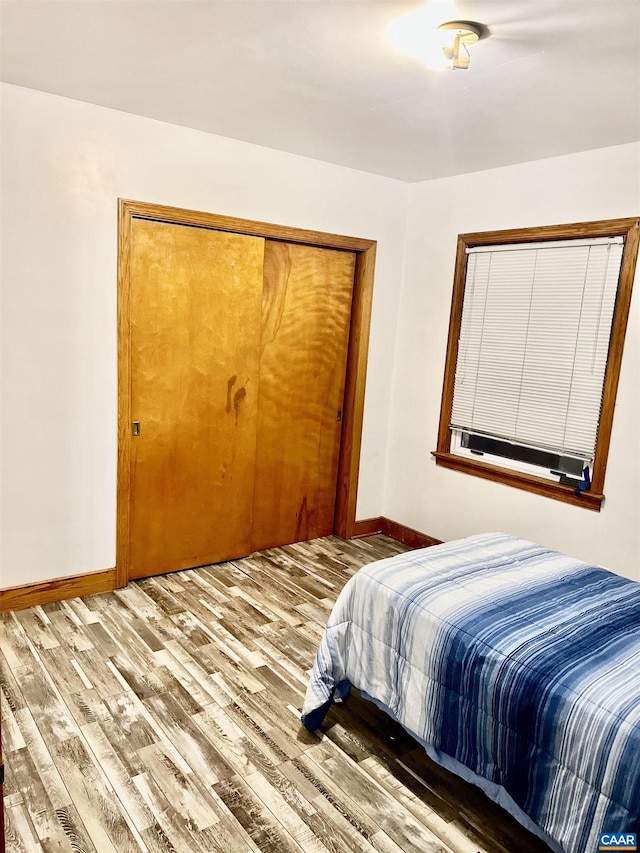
[[344, 522]]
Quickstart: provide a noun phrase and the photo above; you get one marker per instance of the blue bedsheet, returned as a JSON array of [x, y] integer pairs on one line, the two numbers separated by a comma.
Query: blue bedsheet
[[520, 662]]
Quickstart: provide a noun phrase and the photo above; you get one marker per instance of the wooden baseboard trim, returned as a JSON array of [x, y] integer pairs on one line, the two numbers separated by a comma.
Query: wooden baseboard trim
[[57, 589], [367, 527], [408, 536], [395, 530]]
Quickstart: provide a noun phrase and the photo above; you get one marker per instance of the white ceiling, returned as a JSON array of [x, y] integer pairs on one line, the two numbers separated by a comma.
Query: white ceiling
[[319, 78]]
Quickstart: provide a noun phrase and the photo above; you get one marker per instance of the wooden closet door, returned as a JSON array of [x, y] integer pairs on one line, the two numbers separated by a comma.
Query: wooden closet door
[[195, 340], [306, 310]]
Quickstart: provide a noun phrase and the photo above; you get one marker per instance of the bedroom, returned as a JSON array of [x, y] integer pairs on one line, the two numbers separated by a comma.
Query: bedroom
[[65, 163]]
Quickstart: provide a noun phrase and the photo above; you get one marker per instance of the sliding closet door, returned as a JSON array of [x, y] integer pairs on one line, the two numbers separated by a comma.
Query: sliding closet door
[[195, 341], [305, 330]]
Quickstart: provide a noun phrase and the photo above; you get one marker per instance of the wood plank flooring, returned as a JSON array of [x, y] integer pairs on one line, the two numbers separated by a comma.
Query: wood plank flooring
[[165, 717]]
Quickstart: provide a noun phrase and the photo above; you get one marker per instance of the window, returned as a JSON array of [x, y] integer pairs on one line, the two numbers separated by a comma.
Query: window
[[535, 343]]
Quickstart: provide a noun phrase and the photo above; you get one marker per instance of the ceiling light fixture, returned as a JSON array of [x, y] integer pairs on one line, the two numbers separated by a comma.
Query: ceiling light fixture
[[457, 36]]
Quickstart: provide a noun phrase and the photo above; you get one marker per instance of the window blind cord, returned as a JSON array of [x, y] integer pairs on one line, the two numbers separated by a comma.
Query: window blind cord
[[602, 290], [526, 341], [575, 347]]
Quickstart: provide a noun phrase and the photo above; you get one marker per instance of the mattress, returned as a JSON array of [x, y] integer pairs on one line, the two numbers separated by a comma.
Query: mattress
[[512, 660]]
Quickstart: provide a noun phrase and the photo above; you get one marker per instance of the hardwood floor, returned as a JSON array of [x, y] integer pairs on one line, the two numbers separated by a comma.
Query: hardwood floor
[[165, 717]]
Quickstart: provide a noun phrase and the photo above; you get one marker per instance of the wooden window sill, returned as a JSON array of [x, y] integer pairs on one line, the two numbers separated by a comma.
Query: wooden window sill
[[519, 480]]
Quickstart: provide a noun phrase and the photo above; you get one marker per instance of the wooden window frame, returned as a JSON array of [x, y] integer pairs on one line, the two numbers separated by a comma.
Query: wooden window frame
[[629, 229]]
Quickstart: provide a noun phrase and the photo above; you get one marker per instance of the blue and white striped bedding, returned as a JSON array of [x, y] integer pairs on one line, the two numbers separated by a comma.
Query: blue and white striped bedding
[[520, 662]]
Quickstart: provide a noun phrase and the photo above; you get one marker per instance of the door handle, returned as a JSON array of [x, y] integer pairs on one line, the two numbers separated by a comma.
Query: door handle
[[135, 427]]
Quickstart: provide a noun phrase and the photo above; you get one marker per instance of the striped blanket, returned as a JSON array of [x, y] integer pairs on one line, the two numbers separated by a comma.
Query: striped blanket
[[520, 662]]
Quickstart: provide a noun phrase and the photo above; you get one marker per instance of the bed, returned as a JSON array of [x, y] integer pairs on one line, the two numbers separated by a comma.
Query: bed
[[515, 666]]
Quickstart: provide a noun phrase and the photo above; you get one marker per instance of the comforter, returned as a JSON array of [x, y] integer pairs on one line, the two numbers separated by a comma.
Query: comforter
[[519, 662]]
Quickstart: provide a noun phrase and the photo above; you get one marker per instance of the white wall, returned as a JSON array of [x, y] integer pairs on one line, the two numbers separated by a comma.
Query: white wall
[[64, 164], [446, 504]]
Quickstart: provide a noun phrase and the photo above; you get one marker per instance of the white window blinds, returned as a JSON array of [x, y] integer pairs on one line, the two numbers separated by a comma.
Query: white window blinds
[[534, 340]]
